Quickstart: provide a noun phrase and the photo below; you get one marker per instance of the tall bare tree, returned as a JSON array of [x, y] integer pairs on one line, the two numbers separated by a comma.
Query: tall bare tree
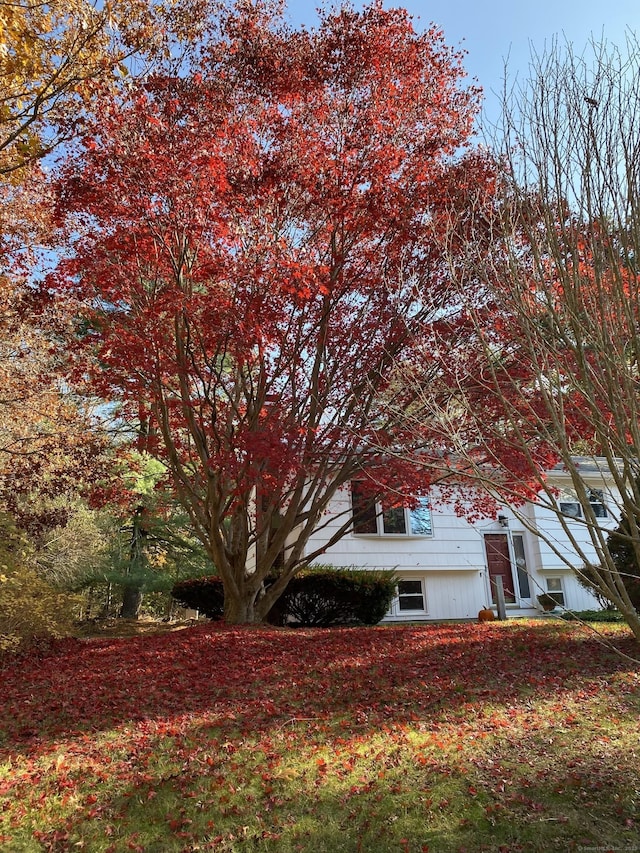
[[555, 339]]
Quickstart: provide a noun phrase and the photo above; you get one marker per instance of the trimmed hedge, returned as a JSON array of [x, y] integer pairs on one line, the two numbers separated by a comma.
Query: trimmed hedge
[[592, 616], [320, 597], [203, 594], [325, 596]]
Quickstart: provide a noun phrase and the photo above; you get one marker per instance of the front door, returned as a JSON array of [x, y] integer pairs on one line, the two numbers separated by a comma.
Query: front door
[[499, 565]]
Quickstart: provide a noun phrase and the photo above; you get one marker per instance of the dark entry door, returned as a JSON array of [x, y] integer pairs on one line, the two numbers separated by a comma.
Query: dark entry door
[[499, 565]]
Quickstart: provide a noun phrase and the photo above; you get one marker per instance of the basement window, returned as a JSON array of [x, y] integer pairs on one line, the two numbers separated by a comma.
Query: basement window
[[411, 596], [554, 589]]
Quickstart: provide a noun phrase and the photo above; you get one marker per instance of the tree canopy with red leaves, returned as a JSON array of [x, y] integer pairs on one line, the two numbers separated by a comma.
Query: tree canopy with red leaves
[[257, 246]]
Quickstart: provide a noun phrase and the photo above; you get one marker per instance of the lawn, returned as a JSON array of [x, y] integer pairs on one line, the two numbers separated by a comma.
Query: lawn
[[519, 736]]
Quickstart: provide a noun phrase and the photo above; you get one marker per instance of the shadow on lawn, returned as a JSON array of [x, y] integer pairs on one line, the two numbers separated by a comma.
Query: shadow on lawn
[[250, 679]]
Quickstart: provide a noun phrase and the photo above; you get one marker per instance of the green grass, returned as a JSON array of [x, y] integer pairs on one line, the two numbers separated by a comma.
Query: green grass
[[505, 737]]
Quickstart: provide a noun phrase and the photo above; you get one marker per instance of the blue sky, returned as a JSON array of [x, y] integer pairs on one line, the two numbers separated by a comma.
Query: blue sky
[[492, 30]]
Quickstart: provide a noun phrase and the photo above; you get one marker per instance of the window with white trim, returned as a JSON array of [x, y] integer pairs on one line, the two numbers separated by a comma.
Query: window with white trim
[[372, 518], [411, 596], [571, 507], [569, 504], [554, 589], [596, 501]]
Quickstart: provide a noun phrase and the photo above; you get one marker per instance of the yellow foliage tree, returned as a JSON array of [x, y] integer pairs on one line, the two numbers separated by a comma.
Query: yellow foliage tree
[[56, 58], [53, 56], [29, 607]]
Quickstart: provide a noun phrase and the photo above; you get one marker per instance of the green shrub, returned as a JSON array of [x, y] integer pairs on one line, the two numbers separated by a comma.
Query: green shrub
[[203, 594], [606, 615], [377, 591], [324, 596], [624, 562], [319, 596]]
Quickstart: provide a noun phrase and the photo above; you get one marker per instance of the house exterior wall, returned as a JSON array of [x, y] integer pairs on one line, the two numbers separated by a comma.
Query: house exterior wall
[[450, 569]]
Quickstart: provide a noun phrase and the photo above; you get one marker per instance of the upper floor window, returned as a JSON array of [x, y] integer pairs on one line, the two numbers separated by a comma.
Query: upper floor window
[[570, 505], [373, 518], [596, 500]]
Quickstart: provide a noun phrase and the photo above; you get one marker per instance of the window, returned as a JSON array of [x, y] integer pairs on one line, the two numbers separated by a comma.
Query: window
[[394, 521], [420, 519], [364, 511], [521, 565], [569, 504], [596, 501], [554, 589], [372, 518], [410, 596]]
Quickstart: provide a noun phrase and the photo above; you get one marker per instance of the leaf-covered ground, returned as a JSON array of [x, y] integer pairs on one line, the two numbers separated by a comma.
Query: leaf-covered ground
[[501, 737]]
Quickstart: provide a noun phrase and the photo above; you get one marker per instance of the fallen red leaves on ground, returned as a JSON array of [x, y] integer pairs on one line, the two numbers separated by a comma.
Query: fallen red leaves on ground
[[260, 676], [99, 709]]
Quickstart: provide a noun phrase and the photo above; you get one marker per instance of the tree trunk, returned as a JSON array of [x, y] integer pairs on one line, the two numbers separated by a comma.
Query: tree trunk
[[131, 602], [632, 618], [240, 610], [131, 593]]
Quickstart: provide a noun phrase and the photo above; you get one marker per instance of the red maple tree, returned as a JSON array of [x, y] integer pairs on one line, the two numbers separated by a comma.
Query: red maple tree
[[257, 246]]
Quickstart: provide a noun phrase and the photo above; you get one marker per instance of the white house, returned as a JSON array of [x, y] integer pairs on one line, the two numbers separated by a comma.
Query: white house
[[446, 564]]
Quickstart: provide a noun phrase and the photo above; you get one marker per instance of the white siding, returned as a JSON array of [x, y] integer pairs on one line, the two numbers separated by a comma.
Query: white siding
[[451, 563], [455, 544], [554, 545], [448, 596], [576, 597], [556, 556]]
